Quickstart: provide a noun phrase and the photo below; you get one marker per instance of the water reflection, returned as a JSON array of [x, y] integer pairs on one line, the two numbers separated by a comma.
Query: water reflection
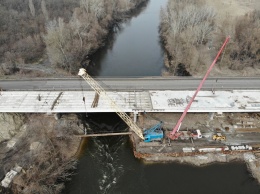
[[108, 166], [135, 48]]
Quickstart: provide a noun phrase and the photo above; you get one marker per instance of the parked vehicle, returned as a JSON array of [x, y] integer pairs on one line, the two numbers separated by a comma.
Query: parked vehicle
[[219, 137], [154, 134]]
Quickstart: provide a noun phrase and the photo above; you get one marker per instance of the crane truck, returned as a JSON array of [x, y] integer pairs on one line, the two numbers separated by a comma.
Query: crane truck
[[155, 133], [96, 86], [175, 134]]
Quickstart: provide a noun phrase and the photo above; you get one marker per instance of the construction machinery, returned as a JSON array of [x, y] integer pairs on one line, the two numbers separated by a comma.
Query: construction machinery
[[95, 86], [175, 134], [194, 134], [219, 137], [154, 134]]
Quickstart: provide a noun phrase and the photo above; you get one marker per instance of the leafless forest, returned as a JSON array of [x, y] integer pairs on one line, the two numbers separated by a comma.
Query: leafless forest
[[192, 36], [66, 30], [46, 153]]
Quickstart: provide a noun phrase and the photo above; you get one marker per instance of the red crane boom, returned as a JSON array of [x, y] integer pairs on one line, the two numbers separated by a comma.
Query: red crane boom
[[173, 135]]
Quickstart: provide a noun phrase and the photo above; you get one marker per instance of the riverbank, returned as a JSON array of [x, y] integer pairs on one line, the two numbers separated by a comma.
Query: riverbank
[[252, 160], [45, 149], [241, 142], [67, 42], [190, 48]]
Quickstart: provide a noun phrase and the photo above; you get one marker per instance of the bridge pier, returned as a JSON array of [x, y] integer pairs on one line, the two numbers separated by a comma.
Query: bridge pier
[[134, 115], [57, 116]]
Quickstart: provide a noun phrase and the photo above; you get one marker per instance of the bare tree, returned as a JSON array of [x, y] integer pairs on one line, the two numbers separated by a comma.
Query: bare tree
[[49, 161], [32, 9], [44, 10], [94, 6], [56, 40], [245, 41], [186, 26]]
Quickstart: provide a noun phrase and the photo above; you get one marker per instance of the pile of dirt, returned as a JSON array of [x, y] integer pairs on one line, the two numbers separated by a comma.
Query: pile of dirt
[[11, 124]]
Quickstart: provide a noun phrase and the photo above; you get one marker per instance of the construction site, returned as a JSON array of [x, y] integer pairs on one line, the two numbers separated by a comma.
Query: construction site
[[196, 138], [182, 123], [194, 127], [201, 133]]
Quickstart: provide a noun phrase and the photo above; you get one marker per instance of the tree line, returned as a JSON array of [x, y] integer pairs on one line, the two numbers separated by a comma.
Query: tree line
[[46, 152], [66, 30], [191, 37]]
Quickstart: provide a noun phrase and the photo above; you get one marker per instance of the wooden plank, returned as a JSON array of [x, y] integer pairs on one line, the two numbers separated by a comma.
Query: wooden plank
[[150, 144], [95, 101], [248, 130], [104, 134]]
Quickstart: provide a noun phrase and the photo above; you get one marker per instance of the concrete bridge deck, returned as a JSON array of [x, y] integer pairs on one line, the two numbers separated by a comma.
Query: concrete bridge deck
[[139, 101]]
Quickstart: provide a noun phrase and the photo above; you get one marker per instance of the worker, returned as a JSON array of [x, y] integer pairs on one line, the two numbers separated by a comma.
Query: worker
[[39, 97]]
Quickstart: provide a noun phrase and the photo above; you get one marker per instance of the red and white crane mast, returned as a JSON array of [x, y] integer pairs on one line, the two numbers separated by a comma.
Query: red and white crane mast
[[174, 134]]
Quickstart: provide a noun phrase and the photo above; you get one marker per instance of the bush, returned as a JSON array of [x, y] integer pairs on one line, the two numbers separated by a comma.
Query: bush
[[69, 42], [244, 49], [50, 164], [186, 27]]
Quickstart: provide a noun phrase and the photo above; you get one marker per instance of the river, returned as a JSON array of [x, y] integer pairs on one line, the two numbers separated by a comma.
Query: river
[[135, 49], [107, 164]]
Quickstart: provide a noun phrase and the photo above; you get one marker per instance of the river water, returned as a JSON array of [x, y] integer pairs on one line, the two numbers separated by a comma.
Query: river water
[[135, 49], [107, 164]]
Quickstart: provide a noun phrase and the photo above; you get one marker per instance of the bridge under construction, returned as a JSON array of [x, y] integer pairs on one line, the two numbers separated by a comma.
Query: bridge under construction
[[132, 101]]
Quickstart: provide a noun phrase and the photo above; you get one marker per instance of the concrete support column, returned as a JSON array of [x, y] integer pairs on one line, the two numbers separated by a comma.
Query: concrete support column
[[57, 116], [211, 115], [141, 119], [135, 116]]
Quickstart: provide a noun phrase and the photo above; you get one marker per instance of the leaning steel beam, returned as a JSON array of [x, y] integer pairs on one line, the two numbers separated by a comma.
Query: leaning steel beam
[[172, 135], [95, 86], [104, 134]]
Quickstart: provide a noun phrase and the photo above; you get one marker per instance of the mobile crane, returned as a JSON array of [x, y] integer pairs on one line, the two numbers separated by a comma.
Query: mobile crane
[[95, 86], [175, 134], [155, 133]]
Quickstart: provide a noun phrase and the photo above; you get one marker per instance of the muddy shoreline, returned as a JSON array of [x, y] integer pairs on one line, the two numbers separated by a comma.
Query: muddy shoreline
[[252, 160], [202, 153]]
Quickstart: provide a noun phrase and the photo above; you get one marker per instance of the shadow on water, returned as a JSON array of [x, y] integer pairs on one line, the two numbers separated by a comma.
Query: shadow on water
[[133, 48], [107, 165], [100, 168], [118, 28], [181, 70]]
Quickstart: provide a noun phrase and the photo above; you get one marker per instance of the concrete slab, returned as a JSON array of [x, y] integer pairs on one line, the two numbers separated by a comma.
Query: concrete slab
[[149, 101], [206, 101]]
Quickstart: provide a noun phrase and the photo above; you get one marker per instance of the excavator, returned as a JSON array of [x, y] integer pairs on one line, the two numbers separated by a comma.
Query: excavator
[[175, 133]]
